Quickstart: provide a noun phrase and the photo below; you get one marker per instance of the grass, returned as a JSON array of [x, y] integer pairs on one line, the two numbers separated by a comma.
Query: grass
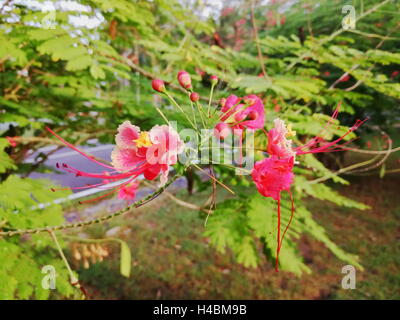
[[172, 260]]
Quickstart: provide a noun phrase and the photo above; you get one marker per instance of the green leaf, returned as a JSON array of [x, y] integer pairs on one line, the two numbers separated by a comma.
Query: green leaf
[[79, 63], [97, 72]]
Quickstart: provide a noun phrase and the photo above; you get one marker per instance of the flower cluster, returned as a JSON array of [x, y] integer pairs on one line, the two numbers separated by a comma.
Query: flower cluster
[[274, 174], [239, 114], [152, 153]]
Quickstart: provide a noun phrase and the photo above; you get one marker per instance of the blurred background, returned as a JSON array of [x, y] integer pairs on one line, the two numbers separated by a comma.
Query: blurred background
[[84, 67]]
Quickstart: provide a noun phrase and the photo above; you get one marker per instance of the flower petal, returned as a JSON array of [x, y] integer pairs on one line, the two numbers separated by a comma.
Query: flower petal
[[127, 132], [126, 159]]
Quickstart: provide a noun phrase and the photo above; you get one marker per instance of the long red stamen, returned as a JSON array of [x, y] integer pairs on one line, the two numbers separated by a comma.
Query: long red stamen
[[278, 248], [87, 186], [111, 192], [77, 150], [328, 146], [290, 220], [77, 172]]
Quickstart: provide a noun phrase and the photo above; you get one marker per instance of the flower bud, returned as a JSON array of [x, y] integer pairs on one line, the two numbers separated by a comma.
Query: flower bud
[[253, 115], [214, 80], [194, 97], [158, 85], [184, 80], [222, 130]]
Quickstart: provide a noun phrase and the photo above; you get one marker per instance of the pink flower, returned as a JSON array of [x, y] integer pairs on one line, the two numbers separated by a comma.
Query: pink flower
[[278, 144], [273, 175], [128, 192], [241, 113], [157, 149], [136, 153]]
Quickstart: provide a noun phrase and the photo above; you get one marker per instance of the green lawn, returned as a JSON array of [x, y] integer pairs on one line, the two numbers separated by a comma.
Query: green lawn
[[171, 259]]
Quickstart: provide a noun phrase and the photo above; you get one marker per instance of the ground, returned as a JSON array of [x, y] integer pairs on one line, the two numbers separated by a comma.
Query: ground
[[172, 260]]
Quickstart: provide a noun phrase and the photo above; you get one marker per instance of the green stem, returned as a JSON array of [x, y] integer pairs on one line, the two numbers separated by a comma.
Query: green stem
[[210, 99], [73, 279], [193, 113], [162, 115], [93, 221], [181, 110], [201, 112]]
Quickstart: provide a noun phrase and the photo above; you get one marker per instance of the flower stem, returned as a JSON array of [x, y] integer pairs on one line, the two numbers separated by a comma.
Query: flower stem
[[73, 280], [216, 180], [180, 109], [201, 112], [162, 115], [210, 99]]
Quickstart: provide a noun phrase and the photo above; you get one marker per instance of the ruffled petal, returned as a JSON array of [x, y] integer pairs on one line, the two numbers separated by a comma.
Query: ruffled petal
[[257, 108], [127, 132], [125, 159], [273, 175], [152, 172]]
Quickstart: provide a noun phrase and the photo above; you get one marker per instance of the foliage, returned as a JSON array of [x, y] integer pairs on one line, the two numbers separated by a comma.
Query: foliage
[[23, 257], [86, 81]]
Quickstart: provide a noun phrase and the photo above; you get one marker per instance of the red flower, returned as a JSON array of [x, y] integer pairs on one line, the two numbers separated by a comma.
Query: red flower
[[273, 175]]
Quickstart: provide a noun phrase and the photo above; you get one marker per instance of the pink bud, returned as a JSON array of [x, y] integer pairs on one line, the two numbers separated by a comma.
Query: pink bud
[[253, 115], [184, 80], [222, 130], [158, 85], [214, 80], [194, 97]]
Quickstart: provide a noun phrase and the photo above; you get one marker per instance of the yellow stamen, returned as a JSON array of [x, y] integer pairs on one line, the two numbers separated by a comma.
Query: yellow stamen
[[143, 140], [290, 132]]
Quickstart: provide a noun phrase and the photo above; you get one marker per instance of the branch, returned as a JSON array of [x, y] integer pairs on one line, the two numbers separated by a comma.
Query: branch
[[118, 213]]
